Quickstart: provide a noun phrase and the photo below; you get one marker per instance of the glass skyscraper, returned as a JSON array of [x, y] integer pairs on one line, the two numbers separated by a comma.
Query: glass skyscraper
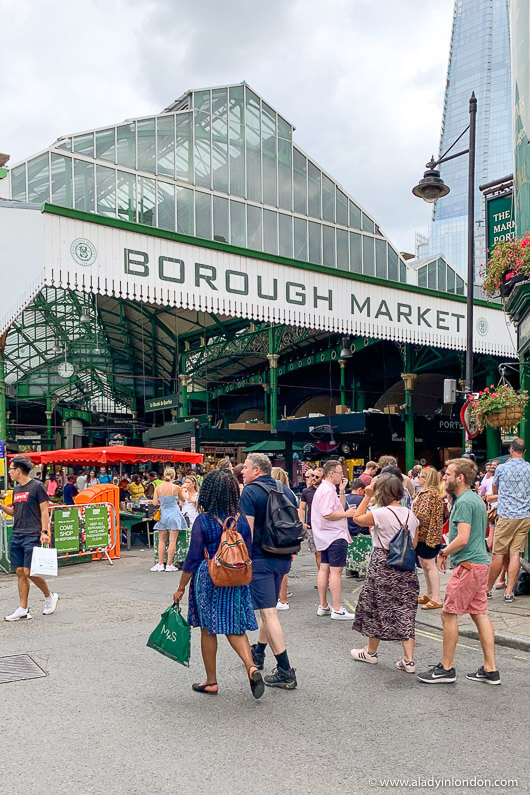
[[479, 61]]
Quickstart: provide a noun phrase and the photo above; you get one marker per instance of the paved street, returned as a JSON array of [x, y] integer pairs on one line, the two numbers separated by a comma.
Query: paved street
[[113, 716]]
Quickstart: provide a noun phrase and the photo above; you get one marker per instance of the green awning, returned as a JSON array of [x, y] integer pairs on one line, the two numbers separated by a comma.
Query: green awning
[[272, 447]]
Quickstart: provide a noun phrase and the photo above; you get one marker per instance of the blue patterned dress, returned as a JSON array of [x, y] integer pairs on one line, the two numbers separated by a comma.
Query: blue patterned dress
[[222, 611]]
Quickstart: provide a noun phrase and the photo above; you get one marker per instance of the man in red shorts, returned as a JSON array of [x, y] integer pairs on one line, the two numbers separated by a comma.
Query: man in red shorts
[[467, 588]]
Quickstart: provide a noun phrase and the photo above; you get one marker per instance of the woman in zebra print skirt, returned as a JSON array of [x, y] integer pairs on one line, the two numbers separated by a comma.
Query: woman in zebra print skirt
[[387, 604]]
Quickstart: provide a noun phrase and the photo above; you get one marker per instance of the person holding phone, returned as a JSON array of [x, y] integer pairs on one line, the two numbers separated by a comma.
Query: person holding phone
[[329, 521]]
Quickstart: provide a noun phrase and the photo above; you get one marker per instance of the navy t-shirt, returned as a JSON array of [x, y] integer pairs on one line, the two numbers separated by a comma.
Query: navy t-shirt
[[355, 529], [307, 497], [253, 502]]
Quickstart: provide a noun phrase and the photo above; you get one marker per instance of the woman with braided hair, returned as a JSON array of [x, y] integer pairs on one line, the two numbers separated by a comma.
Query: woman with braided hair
[[218, 611]]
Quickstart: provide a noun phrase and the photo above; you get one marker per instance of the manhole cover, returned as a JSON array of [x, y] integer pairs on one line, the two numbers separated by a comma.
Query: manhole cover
[[18, 667]]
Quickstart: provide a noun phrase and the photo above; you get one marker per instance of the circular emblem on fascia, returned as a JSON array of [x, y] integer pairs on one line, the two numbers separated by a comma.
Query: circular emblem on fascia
[[482, 326], [83, 252]]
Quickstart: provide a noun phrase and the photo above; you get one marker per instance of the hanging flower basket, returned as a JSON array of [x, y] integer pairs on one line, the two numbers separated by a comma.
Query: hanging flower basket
[[508, 264], [500, 407]]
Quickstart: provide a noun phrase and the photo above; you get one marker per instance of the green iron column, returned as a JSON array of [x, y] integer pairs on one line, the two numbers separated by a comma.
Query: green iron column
[[265, 403], [184, 381], [342, 365], [49, 429], [409, 380], [273, 366]]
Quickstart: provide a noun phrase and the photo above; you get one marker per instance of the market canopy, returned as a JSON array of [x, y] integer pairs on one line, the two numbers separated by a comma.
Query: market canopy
[[272, 447], [114, 454]]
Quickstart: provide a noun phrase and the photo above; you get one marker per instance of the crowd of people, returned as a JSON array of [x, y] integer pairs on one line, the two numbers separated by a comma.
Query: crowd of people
[[451, 515]]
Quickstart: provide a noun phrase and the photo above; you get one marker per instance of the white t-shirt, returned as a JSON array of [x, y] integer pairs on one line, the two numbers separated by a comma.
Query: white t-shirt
[[387, 524]]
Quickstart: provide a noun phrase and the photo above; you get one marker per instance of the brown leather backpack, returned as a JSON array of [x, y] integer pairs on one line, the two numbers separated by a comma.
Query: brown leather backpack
[[231, 564]]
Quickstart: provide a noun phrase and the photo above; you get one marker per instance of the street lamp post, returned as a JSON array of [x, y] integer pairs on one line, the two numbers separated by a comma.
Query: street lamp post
[[431, 188]]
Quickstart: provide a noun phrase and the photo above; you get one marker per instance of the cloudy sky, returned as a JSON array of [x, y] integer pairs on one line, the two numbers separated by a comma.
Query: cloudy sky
[[361, 80]]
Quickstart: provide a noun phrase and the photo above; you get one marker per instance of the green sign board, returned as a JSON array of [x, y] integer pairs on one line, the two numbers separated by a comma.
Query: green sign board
[[74, 414], [500, 220], [66, 529], [96, 526], [159, 403]]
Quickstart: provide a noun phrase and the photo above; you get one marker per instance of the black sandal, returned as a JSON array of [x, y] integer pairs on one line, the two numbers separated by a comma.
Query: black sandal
[[201, 688], [257, 685]]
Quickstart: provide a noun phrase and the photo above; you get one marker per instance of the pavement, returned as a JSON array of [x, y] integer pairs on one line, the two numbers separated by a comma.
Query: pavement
[[113, 717]]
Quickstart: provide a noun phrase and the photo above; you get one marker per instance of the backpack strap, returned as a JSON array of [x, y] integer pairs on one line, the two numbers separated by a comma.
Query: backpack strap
[[399, 520], [268, 489]]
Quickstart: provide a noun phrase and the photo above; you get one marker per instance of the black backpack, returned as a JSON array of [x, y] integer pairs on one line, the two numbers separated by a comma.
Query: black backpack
[[282, 531]]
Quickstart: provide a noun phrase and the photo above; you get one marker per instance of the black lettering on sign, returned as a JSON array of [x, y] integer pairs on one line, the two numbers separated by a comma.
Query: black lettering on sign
[[405, 311], [135, 262], [383, 309], [328, 298], [206, 273], [440, 320], [299, 295], [355, 304], [422, 318], [261, 294], [243, 282], [458, 319]]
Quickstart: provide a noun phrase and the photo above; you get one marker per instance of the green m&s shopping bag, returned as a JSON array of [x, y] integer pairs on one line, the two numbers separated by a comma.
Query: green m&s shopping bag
[[172, 637]]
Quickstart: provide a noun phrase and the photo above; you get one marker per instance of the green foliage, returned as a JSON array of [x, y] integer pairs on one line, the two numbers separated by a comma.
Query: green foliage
[[506, 259], [493, 400]]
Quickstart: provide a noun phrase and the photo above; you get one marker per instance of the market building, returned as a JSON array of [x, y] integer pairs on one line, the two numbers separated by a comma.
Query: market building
[[195, 280]]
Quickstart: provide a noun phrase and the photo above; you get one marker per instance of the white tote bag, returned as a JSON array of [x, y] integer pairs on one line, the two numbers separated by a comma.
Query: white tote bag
[[43, 562]]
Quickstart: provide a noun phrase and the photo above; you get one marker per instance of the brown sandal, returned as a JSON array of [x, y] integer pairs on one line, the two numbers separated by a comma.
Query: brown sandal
[[422, 600], [431, 605]]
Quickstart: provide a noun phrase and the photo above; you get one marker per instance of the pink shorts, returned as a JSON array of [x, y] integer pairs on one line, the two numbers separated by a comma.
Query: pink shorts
[[466, 590]]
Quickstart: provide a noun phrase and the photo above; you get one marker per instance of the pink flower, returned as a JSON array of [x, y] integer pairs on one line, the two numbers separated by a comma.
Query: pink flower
[[480, 394], [476, 403], [519, 261], [492, 386], [494, 394], [486, 389]]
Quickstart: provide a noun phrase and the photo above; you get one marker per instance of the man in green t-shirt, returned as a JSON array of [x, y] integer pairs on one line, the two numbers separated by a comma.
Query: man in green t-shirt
[[466, 590]]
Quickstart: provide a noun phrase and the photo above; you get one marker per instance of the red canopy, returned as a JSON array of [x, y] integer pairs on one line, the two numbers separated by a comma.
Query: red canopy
[[114, 454]]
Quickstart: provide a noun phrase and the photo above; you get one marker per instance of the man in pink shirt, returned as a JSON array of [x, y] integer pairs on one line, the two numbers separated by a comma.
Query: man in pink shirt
[[329, 521], [370, 471]]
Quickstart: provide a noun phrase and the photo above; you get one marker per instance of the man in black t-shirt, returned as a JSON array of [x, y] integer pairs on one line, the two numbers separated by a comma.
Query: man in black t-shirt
[[31, 523], [313, 479], [267, 571]]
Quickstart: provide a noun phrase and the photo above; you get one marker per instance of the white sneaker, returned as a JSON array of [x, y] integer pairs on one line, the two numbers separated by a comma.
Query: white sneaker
[[157, 567], [50, 603], [323, 611], [19, 613], [342, 615], [406, 665], [171, 567], [361, 655], [282, 605]]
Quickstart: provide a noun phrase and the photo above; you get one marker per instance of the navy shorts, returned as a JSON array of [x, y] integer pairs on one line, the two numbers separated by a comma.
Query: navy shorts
[[267, 576], [335, 554], [22, 549]]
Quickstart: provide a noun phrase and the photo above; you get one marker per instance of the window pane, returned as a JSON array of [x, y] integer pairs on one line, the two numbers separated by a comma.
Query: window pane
[[220, 219], [328, 199], [220, 140], [393, 269], [422, 277], [380, 259], [105, 145], [62, 181], [253, 146], [202, 156], [356, 255], [328, 238], [431, 275], [342, 249], [66, 143], [315, 250], [460, 286], [368, 255], [84, 186], [402, 272], [184, 157], [236, 141], [238, 235], [39, 179], [166, 206], [105, 190], [165, 145], [441, 275], [450, 280], [146, 201], [285, 177], [18, 183], [355, 216], [300, 239], [368, 224], [126, 196], [268, 147], [342, 208], [254, 227], [126, 145], [286, 235], [185, 211], [219, 101], [201, 100], [203, 214], [313, 190], [270, 231], [300, 182], [284, 129], [84, 144], [146, 145]]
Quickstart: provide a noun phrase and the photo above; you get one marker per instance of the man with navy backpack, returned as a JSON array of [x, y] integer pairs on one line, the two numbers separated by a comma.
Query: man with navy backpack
[[270, 563]]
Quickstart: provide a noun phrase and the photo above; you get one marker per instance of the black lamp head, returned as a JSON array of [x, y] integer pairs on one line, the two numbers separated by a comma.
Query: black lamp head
[[431, 187]]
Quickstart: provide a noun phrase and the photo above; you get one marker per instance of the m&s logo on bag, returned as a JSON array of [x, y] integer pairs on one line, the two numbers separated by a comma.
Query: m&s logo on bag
[[172, 636]]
